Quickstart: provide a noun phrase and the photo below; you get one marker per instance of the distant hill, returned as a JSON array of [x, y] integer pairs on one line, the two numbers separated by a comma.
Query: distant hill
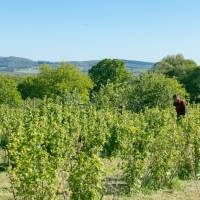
[[23, 65]]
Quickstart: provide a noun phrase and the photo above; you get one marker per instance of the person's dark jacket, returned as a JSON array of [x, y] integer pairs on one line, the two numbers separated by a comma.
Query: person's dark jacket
[[180, 107]]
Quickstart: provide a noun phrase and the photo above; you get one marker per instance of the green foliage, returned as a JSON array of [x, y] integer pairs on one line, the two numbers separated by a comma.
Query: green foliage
[[7, 124], [113, 95], [33, 167], [58, 146], [108, 70], [66, 140], [151, 90], [147, 90], [190, 125], [192, 84], [56, 81], [27, 87], [151, 149], [112, 144], [185, 71], [86, 177], [52, 138], [175, 66], [8, 92], [156, 148]]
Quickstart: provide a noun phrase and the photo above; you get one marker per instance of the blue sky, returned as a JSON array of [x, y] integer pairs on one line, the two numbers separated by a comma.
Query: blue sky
[[94, 29]]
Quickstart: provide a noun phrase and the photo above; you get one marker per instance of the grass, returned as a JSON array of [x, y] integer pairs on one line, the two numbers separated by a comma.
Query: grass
[[4, 181], [187, 191], [4, 187]]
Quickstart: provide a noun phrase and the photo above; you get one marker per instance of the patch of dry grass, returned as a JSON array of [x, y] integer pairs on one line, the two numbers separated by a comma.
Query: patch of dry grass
[[188, 191], [4, 187]]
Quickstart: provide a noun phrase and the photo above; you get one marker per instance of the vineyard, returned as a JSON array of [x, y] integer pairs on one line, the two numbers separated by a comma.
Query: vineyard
[[103, 135], [62, 149]]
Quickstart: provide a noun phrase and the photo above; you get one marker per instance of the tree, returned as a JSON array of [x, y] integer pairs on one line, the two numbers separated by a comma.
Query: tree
[[8, 92], [147, 90], [175, 66], [108, 70], [27, 87], [152, 90], [184, 70], [56, 81], [192, 84]]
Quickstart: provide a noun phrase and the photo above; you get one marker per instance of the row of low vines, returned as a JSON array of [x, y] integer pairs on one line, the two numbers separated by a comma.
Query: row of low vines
[[57, 150]]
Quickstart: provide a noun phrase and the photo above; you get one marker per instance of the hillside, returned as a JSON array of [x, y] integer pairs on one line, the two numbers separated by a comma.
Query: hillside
[[23, 65]]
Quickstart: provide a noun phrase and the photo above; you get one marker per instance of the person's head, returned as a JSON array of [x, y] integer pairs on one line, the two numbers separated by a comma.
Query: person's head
[[175, 97]]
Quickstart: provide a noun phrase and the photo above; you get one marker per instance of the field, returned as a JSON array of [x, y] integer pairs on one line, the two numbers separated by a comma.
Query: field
[[55, 149], [115, 141]]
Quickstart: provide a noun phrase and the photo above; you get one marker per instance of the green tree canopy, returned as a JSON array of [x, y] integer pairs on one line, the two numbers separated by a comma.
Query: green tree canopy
[[56, 81], [151, 90], [147, 90], [175, 66], [108, 70], [8, 91], [192, 84], [184, 70], [27, 87]]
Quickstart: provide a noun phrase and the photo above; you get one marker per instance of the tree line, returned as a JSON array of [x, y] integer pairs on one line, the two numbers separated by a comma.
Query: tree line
[[109, 82]]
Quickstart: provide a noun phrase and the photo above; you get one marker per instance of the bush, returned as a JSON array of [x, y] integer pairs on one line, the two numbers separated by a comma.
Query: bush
[[151, 90], [56, 82], [57, 142], [8, 92], [152, 149]]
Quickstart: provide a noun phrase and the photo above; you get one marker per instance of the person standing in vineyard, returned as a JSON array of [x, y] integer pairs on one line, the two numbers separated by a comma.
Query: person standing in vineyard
[[179, 105]]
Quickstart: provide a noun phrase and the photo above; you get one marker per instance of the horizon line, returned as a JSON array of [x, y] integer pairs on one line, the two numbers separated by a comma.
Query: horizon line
[[74, 60]]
